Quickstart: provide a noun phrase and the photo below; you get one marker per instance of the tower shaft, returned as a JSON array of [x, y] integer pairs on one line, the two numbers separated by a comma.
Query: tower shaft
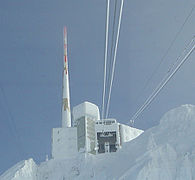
[[66, 114]]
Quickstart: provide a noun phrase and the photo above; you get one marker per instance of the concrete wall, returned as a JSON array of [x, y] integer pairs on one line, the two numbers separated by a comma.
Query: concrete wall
[[84, 117], [128, 133], [64, 143], [85, 109], [81, 135], [90, 135], [86, 134]]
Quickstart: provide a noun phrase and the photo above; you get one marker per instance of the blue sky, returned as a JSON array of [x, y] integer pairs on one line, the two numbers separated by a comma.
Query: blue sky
[[31, 63]]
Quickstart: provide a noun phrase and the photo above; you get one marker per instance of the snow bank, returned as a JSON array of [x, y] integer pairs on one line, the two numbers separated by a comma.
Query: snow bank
[[24, 170], [164, 152]]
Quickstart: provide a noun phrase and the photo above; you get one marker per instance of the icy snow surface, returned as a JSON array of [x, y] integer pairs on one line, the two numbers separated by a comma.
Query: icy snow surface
[[24, 170], [164, 152]]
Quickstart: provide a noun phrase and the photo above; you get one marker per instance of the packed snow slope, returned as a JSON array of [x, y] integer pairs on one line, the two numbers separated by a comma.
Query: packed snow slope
[[164, 152]]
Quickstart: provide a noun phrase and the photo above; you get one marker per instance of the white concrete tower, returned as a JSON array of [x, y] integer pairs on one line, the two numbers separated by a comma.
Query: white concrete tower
[[66, 114]]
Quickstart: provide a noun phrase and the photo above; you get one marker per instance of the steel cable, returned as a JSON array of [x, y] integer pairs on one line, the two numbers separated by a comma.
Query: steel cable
[[165, 54], [114, 60], [161, 85], [105, 55]]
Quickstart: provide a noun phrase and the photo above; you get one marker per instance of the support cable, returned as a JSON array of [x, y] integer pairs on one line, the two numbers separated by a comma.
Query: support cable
[[161, 85], [182, 54], [166, 53], [105, 55], [110, 63], [114, 60]]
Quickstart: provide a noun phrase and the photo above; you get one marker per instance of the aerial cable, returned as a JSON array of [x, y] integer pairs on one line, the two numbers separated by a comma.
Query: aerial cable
[[112, 44], [182, 54], [114, 60], [105, 55], [112, 41], [166, 53], [161, 85]]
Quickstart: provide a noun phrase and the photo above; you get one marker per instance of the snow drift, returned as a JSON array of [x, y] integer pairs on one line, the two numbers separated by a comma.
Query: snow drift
[[24, 170], [164, 152]]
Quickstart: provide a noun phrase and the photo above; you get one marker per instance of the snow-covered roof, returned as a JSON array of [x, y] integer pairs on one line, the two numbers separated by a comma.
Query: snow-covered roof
[[86, 108]]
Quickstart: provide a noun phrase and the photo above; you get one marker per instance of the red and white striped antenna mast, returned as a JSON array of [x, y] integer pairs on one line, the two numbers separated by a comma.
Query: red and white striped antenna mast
[[66, 114]]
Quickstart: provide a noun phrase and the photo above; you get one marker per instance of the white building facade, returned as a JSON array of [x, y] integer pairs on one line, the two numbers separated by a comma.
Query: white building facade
[[84, 117], [90, 134], [85, 131]]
